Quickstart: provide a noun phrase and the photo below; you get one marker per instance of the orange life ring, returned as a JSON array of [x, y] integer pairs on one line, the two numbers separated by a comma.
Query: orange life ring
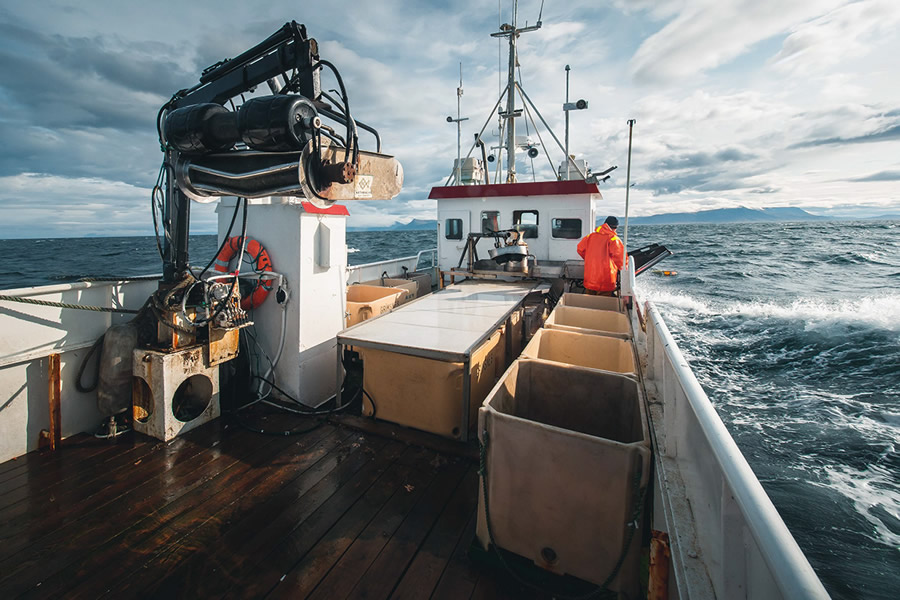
[[259, 259]]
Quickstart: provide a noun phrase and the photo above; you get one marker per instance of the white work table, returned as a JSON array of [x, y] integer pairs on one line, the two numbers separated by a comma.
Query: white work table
[[447, 325]]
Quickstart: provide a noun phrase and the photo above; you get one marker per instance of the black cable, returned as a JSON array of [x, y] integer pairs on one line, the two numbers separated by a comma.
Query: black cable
[[226, 238], [351, 126], [371, 401], [153, 202], [221, 306], [84, 361], [312, 411], [289, 432]]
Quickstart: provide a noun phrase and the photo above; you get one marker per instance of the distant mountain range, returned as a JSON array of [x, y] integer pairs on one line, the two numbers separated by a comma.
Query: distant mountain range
[[414, 225], [731, 215], [718, 215]]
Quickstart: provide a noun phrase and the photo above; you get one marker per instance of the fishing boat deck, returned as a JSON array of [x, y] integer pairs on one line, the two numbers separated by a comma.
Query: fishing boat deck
[[226, 512]]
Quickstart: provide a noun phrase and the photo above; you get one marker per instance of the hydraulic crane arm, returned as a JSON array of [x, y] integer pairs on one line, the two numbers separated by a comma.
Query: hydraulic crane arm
[[270, 145], [288, 49]]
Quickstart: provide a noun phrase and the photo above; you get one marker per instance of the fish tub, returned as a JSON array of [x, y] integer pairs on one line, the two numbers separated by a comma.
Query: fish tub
[[588, 320], [583, 350], [409, 286], [425, 393], [423, 281], [568, 458], [367, 301], [590, 301], [512, 338]]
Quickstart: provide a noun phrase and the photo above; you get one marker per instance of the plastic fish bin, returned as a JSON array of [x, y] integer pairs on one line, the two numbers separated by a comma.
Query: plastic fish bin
[[409, 286], [512, 338], [425, 393], [424, 282], [588, 320], [568, 457], [589, 301], [367, 301], [583, 350]]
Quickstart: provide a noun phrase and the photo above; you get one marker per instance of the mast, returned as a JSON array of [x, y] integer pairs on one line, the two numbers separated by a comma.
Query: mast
[[512, 32], [511, 103]]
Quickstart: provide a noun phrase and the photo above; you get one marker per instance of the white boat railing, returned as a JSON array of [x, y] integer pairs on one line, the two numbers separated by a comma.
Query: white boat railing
[[392, 266], [30, 333], [746, 547]]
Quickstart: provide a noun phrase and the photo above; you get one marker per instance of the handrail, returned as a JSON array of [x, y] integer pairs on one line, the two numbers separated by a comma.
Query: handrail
[[790, 569], [351, 268], [433, 252]]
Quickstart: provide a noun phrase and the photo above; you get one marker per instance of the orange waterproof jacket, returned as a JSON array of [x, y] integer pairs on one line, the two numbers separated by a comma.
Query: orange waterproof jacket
[[603, 255]]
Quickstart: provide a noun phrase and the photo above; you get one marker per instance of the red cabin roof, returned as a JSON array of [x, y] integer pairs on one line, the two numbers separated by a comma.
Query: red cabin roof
[[540, 188]]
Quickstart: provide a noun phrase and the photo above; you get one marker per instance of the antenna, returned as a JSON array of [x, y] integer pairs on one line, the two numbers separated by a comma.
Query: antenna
[[512, 32], [458, 120]]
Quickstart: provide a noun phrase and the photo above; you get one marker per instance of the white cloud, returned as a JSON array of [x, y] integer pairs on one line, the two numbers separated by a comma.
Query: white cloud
[[709, 33], [847, 32], [740, 102]]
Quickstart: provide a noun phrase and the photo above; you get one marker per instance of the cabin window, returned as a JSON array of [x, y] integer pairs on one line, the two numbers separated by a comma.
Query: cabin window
[[526, 221], [566, 229], [453, 229], [490, 221]]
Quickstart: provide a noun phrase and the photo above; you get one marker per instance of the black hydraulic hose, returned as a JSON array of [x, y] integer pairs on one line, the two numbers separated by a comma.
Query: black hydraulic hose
[[84, 389], [227, 237], [346, 100], [342, 120]]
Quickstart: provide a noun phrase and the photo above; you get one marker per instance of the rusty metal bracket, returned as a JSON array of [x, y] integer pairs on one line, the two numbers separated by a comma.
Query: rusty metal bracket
[[53, 436], [658, 586]]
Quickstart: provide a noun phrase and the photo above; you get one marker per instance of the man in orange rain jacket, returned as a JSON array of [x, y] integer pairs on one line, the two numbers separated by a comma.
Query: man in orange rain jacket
[[603, 255]]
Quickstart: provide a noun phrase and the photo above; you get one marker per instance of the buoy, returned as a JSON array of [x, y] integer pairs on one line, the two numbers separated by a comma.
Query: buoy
[[259, 259], [665, 273]]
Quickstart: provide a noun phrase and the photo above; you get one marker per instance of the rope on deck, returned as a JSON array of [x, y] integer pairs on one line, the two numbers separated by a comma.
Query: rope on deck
[[33, 301]]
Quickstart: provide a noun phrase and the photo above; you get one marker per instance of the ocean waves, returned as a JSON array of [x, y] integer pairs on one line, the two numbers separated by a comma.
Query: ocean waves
[[794, 332]]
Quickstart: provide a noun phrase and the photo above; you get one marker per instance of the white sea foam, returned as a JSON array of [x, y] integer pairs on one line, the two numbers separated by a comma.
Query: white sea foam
[[879, 312], [872, 491], [352, 250]]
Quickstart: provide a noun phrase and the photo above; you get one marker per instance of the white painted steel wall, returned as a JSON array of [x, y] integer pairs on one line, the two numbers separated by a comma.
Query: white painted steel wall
[[543, 247], [737, 533], [297, 243], [29, 334]]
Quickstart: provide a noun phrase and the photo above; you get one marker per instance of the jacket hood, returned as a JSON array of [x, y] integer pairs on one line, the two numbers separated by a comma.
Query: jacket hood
[[605, 230]]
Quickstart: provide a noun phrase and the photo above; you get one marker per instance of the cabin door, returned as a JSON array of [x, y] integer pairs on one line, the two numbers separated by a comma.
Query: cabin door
[[567, 227], [453, 230]]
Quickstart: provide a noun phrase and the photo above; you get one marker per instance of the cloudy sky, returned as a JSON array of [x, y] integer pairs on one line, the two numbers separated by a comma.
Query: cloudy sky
[[738, 102]]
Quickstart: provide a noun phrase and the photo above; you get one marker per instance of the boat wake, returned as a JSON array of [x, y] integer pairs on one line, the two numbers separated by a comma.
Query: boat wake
[[877, 312]]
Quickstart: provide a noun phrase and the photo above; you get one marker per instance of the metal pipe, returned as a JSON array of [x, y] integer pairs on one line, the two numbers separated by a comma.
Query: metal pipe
[[341, 119], [538, 132], [483, 127], [567, 122], [628, 183], [555, 139], [292, 166], [511, 102], [459, 129]]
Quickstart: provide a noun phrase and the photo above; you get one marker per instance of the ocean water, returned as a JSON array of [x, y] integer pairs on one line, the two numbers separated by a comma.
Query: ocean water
[[794, 332], [792, 329]]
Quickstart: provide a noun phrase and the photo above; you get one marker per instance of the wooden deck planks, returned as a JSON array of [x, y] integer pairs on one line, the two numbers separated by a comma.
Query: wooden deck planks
[[177, 474], [434, 554], [138, 557], [335, 513], [212, 571], [381, 577], [287, 551]]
